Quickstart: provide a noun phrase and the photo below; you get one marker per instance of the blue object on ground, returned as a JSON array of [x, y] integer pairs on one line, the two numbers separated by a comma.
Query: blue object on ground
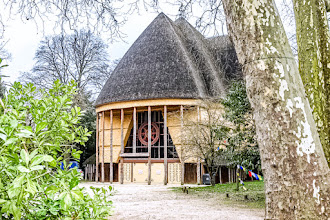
[[73, 165]]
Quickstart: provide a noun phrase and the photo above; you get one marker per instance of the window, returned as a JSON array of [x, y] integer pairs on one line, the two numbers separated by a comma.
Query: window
[[157, 139]]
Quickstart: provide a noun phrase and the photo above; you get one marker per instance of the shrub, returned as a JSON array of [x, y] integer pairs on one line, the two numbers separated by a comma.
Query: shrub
[[36, 135]]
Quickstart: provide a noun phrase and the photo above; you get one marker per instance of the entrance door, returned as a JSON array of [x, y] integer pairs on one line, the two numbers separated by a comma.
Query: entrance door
[[190, 173]]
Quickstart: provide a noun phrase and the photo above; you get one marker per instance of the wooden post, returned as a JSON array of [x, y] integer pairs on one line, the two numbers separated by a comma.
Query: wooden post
[[103, 133], [88, 172], [134, 130], [220, 176], [132, 172], [89, 176], [182, 160], [198, 171], [97, 148], [111, 146], [229, 176], [198, 159], [122, 145], [86, 168], [165, 146], [149, 145]]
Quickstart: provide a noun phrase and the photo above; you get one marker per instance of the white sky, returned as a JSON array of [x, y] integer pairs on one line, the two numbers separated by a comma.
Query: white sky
[[23, 41], [24, 37]]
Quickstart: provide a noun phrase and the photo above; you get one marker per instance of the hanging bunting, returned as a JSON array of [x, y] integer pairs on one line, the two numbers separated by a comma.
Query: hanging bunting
[[250, 173]]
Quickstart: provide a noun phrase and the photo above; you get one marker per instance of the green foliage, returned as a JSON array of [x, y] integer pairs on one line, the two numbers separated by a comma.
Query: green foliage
[[236, 102], [241, 147], [35, 135]]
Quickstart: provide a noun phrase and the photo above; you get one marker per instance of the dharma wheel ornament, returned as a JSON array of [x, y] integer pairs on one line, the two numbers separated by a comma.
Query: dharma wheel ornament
[[143, 133]]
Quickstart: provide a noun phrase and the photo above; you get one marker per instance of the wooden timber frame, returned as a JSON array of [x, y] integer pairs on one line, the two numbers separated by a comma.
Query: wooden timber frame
[[149, 145], [103, 126], [100, 144], [111, 146], [97, 148], [182, 146], [122, 145], [165, 146], [198, 159]]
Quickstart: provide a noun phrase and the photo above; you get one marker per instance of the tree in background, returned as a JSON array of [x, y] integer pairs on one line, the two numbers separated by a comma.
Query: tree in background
[[2, 83], [241, 147], [81, 57], [224, 134], [99, 16], [313, 39], [204, 137]]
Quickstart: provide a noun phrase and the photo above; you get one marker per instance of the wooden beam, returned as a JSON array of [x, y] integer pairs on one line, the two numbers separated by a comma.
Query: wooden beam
[[229, 176], [111, 146], [97, 149], [86, 168], [103, 126], [198, 171], [134, 130], [149, 145], [198, 159], [220, 176], [182, 145], [121, 145], [134, 155], [153, 160], [165, 146], [132, 172]]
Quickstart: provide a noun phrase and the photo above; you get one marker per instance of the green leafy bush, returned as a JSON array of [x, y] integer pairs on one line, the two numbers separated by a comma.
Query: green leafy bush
[[36, 135]]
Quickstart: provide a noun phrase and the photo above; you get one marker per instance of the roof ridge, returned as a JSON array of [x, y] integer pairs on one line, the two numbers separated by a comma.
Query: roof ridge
[[197, 78], [216, 86]]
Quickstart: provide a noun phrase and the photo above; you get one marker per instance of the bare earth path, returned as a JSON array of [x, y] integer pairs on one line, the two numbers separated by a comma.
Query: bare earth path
[[140, 202]]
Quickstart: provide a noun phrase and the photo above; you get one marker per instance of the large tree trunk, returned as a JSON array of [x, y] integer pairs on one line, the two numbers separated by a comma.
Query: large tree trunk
[[314, 54], [293, 162]]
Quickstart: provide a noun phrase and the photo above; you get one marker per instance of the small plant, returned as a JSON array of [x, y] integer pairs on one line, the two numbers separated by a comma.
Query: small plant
[[36, 135]]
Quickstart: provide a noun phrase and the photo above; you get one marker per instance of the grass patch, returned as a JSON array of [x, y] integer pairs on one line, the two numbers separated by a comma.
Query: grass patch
[[253, 197]]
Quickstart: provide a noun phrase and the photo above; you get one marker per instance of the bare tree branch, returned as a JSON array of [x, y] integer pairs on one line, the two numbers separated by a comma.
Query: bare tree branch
[[81, 57]]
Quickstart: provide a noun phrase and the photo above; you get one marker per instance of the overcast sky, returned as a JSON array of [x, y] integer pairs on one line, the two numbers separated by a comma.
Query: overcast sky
[[23, 40], [24, 37]]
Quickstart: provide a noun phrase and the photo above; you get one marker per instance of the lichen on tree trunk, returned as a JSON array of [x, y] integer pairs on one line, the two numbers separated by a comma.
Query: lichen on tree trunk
[[314, 62], [293, 162]]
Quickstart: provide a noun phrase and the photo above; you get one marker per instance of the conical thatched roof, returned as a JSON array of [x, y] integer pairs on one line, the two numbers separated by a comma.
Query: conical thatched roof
[[168, 60]]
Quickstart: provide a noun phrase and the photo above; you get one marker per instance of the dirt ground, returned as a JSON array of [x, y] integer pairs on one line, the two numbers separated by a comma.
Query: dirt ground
[[140, 202]]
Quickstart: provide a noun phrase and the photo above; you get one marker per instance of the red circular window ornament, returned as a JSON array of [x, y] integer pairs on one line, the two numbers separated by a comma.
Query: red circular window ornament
[[143, 133]]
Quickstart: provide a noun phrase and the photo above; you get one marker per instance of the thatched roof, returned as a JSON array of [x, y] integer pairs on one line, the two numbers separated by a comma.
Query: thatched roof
[[90, 160], [169, 60]]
